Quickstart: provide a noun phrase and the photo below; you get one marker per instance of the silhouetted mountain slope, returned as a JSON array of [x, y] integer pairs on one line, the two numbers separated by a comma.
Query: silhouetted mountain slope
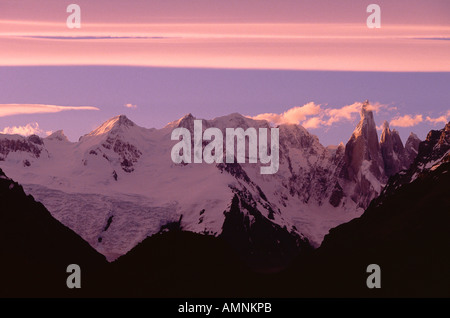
[[406, 233], [180, 264], [261, 244], [36, 249]]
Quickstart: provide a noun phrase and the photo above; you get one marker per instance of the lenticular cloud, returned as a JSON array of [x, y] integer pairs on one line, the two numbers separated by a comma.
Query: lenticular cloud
[[21, 109]]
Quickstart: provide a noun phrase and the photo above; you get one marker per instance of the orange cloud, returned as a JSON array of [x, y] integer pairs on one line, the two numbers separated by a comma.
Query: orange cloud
[[291, 116], [406, 121], [344, 113], [313, 122], [441, 119], [314, 116], [349, 112], [28, 129]]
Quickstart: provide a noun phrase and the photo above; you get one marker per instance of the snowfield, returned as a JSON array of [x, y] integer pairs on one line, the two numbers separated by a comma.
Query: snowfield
[[117, 185]]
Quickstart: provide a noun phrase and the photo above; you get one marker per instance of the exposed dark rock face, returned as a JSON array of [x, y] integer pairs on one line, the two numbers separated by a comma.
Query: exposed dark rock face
[[395, 156], [392, 151], [32, 146], [432, 151], [411, 149], [336, 195], [35, 140]]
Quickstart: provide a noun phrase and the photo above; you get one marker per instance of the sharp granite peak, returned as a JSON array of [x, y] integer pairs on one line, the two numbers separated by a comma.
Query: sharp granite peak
[[368, 163], [431, 154], [118, 185], [363, 160]]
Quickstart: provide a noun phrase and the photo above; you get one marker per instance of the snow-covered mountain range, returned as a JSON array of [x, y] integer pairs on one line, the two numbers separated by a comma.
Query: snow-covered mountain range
[[117, 185]]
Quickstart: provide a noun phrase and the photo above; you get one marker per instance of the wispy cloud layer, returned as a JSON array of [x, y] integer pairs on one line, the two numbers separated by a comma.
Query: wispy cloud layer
[[324, 46], [22, 109], [130, 105]]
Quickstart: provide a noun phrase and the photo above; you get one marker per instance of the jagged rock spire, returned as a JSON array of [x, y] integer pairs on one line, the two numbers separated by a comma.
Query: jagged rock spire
[[392, 151], [363, 162]]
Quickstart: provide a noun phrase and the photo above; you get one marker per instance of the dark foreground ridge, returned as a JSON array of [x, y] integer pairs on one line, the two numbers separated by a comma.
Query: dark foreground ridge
[[36, 249], [407, 233]]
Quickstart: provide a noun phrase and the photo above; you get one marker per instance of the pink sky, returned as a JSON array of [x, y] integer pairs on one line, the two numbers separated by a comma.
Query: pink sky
[[240, 34], [416, 12]]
